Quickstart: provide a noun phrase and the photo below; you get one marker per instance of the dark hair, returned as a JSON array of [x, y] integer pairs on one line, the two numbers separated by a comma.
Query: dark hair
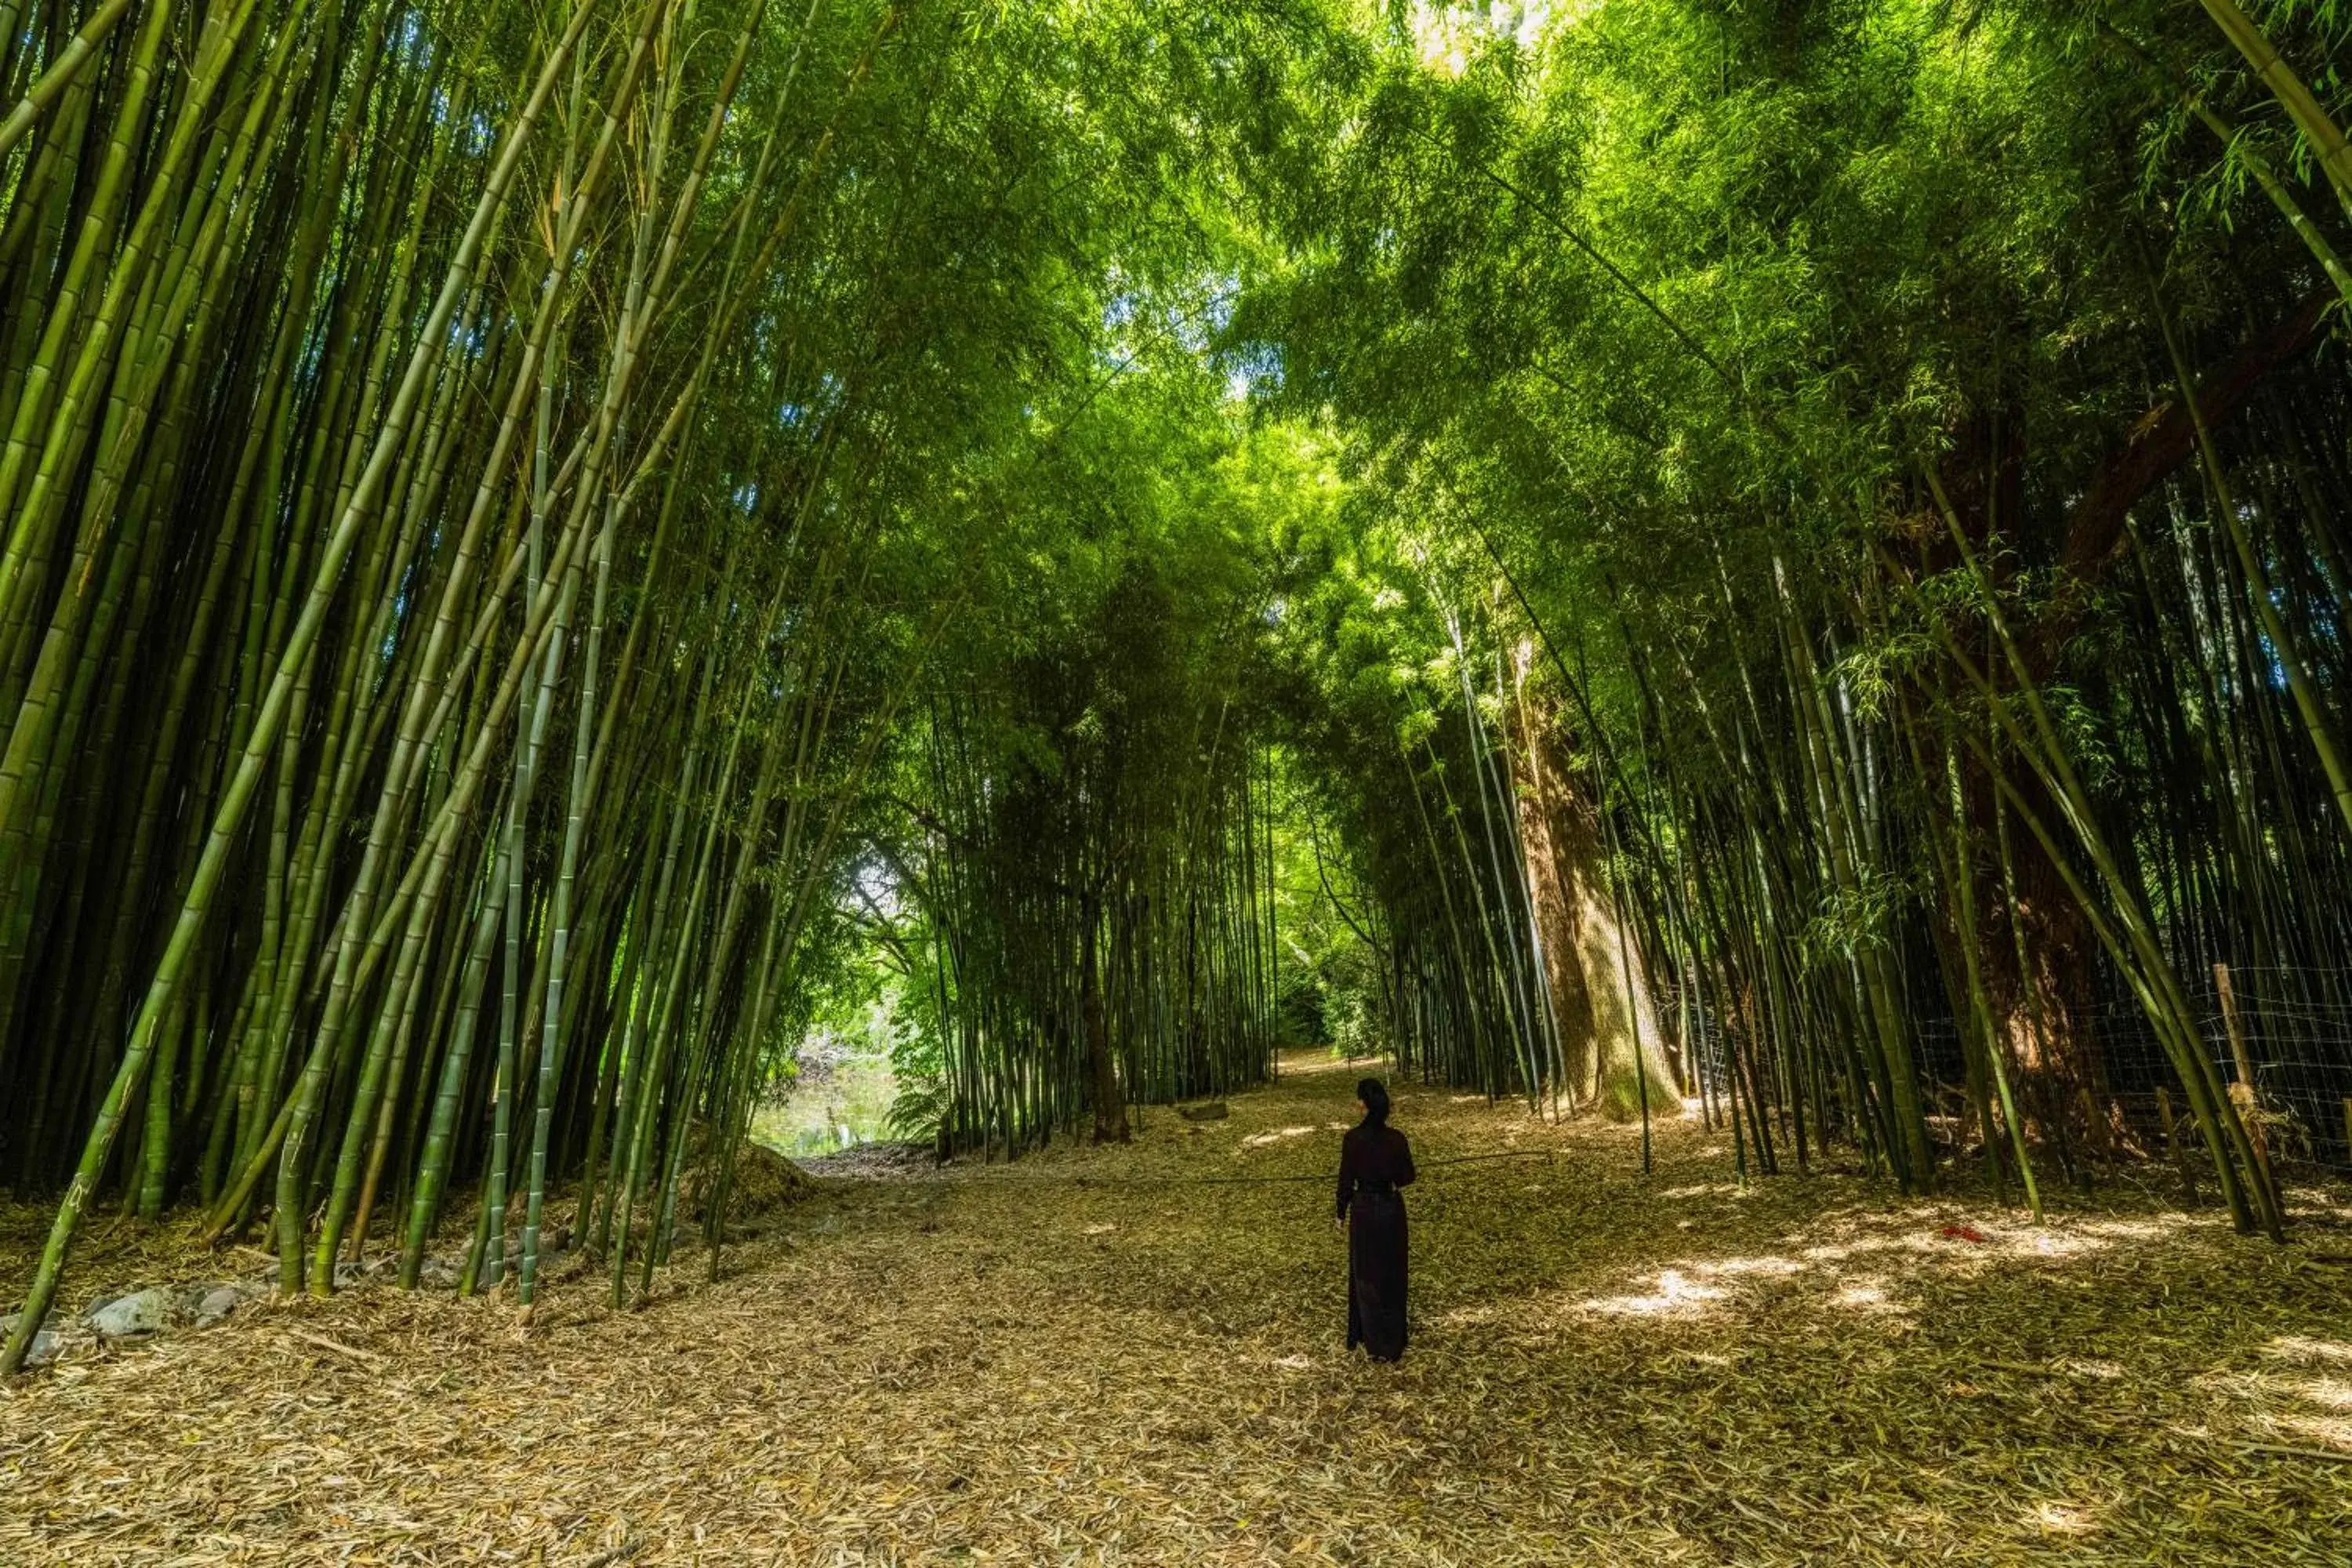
[[1376, 1101]]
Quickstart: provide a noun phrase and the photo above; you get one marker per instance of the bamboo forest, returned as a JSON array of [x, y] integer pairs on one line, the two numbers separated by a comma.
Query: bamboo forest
[[651, 650]]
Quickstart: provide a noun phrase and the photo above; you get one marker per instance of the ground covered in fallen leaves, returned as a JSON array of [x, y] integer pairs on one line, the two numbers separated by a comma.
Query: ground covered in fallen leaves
[[1127, 1356]]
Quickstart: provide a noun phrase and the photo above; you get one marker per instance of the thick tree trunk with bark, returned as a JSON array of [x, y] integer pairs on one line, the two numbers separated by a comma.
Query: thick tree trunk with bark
[[1593, 953], [2037, 958]]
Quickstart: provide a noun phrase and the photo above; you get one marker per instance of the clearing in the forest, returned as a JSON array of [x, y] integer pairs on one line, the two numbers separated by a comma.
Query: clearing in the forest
[[1132, 1355]]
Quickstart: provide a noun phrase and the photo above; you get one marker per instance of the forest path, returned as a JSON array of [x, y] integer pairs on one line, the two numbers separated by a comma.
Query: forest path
[[1013, 1365]]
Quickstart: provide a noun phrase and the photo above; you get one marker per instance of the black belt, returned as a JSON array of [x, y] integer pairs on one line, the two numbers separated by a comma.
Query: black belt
[[1376, 1189]]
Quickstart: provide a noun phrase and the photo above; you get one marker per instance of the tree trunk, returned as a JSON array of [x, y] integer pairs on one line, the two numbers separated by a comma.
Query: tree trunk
[[2039, 955], [2040, 966], [1593, 953]]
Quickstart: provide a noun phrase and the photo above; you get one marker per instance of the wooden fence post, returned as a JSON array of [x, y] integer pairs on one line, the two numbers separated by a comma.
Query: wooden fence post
[[2242, 1091]]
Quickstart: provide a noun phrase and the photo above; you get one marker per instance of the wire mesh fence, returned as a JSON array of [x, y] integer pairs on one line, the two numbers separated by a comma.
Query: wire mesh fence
[[2280, 1035]]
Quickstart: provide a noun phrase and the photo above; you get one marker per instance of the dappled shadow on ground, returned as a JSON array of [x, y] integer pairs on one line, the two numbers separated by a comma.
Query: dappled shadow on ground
[[1130, 1356]]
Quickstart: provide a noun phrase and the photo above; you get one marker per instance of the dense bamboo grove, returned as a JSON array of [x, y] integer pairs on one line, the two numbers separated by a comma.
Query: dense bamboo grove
[[1787, 557], [481, 487], [1084, 847], [1906, 460]]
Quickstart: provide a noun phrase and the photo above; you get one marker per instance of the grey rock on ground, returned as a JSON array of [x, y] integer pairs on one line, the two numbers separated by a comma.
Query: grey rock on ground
[[140, 1312], [44, 1348], [191, 1297], [218, 1303]]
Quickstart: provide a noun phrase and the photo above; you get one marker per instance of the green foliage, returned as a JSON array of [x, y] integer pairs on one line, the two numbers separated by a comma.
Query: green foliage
[[541, 565]]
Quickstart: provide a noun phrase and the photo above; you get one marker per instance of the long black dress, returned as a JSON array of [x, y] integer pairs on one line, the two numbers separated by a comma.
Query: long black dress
[[1374, 1161]]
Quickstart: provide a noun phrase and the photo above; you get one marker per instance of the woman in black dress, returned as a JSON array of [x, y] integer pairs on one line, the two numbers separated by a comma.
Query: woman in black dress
[[1374, 1161]]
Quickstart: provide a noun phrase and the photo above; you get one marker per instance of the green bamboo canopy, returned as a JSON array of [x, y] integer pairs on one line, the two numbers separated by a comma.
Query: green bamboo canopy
[[1783, 564]]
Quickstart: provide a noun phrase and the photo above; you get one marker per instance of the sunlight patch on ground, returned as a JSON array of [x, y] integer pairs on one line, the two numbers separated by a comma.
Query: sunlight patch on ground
[[2299, 1347], [2054, 1518], [1839, 1251], [1872, 1265], [2318, 1431], [1771, 1266], [2312, 1410], [2328, 1202], [1279, 1134], [1674, 1294], [2335, 1394], [1948, 1245], [2292, 1407], [1868, 1295], [2151, 1228]]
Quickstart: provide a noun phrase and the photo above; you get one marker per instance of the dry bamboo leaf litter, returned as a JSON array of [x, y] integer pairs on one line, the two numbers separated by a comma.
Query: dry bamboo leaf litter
[[1091, 1357]]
